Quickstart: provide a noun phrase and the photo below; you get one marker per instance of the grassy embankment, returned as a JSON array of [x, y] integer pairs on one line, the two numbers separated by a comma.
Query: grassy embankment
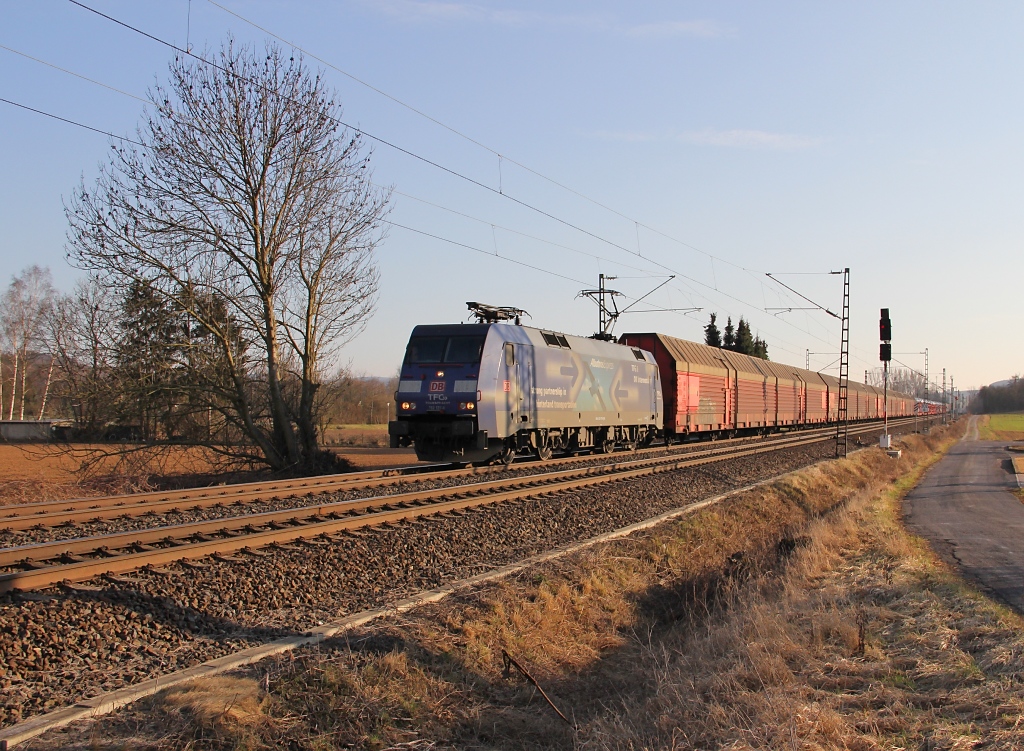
[[1006, 427], [799, 615]]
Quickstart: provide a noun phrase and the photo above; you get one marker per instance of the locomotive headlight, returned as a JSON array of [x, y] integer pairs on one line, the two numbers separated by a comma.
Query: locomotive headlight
[[408, 406], [470, 405]]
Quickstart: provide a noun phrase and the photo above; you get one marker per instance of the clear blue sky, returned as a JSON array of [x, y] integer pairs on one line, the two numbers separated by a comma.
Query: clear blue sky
[[757, 137]]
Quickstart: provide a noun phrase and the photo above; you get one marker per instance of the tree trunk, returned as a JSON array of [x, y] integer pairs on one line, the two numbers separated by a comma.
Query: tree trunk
[[46, 389], [14, 385], [24, 378]]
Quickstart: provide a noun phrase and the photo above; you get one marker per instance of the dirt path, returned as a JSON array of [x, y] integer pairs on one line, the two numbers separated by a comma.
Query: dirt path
[[966, 508]]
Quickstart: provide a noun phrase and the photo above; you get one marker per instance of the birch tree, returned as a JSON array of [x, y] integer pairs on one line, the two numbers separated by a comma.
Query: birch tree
[[23, 307]]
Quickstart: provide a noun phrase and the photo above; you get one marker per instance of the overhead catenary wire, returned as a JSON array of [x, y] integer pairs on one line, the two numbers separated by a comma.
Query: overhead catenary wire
[[503, 157], [778, 342], [71, 122], [72, 73], [515, 261], [426, 160]]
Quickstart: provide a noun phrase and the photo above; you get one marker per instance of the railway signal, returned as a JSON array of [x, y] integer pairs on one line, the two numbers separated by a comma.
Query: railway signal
[[885, 327], [885, 355]]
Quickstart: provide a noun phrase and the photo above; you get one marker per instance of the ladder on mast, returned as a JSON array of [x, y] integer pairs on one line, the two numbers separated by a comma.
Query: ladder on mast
[[843, 422]]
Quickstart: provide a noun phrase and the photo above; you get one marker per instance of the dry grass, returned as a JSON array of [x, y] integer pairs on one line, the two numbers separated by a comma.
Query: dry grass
[[370, 436], [797, 616]]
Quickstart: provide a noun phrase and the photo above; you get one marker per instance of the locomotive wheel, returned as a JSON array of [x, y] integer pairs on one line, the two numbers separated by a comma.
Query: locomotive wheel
[[507, 455], [629, 446], [543, 452], [608, 446]]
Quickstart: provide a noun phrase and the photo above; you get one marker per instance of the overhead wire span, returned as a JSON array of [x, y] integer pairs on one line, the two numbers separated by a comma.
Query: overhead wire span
[[518, 262], [72, 73], [468, 138], [138, 143], [501, 157], [465, 177], [71, 122]]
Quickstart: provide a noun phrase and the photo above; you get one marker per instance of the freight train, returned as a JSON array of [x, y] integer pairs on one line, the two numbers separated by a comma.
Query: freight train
[[493, 390]]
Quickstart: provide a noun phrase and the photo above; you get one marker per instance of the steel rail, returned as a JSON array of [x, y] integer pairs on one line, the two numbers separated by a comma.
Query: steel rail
[[39, 551], [409, 506], [261, 490], [56, 518], [225, 494], [52, 513]]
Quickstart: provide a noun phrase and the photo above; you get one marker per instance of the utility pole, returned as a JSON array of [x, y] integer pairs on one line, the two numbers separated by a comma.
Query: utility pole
[[943, 396], [842, 416], [608, 312], [927, 423], [843, 425]]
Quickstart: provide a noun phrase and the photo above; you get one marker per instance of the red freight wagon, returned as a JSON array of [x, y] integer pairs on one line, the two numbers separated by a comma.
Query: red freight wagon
[[697, 384], [714, 391]]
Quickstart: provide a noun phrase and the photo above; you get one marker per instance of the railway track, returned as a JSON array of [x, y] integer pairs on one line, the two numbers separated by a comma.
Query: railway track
[[54, 513], [79, 559]]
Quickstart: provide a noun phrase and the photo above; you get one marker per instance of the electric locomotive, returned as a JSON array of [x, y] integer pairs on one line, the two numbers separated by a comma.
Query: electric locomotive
[[494, 389]]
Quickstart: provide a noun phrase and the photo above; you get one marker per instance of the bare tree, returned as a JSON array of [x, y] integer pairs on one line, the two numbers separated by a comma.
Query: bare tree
[[82, 338], [23, 306], [250, 209], [901, 379]]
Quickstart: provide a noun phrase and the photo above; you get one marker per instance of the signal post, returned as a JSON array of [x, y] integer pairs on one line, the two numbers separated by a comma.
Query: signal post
[[885, 355]]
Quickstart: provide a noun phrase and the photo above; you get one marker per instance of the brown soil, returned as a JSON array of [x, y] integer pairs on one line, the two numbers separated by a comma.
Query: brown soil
[[32, 472]]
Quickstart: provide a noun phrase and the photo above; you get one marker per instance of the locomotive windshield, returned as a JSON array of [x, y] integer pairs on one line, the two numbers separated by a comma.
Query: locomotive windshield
[[451, 349]]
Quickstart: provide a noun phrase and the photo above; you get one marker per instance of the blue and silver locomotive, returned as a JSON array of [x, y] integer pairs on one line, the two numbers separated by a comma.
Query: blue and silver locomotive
[[492, 390]]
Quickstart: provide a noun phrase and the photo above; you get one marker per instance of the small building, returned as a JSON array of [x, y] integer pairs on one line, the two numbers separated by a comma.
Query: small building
[[17, 431]]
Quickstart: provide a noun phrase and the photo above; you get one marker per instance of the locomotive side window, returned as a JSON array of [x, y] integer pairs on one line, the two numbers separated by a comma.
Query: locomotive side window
[[464, 349], [510, 354], [425, 349], [562, 341]]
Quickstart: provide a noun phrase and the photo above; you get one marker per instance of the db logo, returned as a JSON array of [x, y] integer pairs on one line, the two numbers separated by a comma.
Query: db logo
[[508, 386], [436, 386]]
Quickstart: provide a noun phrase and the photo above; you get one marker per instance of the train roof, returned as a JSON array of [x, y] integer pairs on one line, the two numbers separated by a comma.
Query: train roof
[[702, 357]]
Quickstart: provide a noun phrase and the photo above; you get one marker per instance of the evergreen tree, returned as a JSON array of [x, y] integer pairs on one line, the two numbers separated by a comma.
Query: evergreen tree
[[729, 340], [760, 348], [744, 339], [712, 336]]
